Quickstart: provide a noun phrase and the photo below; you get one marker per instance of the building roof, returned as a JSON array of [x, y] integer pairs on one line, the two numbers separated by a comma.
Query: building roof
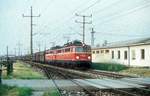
[[135, 42]]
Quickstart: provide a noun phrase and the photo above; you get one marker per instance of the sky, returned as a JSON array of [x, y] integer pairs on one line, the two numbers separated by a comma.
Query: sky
[[112, 20]]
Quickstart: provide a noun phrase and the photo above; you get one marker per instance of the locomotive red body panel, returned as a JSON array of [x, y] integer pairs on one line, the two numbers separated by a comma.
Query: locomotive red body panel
[[71, 54]]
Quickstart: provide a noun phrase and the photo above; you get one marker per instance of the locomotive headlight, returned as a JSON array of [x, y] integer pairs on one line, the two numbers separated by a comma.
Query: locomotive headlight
[[77, 57], [89, 57]]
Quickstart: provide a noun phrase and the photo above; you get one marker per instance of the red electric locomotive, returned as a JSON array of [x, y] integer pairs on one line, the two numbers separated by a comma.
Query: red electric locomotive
[[72, 55]]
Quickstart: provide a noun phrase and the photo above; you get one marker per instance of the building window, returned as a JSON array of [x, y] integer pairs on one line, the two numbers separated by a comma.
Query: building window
[[93, 52], [102, 51], [142, 54], [106, 51], [118, 54], [133, 54], [125, 55], [97, 52], [112, 54]]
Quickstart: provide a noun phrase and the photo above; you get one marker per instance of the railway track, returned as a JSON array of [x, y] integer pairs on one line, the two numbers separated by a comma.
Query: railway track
[[101, 74], [62, 74], [63, 92], [88, 73], [95, 74]]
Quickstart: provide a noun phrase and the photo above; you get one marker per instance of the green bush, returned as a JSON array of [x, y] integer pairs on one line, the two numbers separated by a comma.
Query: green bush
[[108, 66], [14, 91]]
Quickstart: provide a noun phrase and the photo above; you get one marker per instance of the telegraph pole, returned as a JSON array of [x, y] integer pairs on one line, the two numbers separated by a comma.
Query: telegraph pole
[[0, 72], [19, 49], [31, 31], [92, 37], [83, 26], [8, 62]]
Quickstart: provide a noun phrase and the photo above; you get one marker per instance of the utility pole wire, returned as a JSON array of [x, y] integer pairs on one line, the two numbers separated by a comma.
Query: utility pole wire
[[83, 22], [117, 34], [121, 14], [31, 32], [66, 20], [96, 2]]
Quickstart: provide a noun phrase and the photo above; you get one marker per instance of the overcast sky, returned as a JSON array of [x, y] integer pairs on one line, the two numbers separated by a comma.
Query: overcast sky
[[113, 20]]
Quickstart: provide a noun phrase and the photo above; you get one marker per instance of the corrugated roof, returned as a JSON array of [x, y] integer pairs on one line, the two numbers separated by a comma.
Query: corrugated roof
[[142, 41]]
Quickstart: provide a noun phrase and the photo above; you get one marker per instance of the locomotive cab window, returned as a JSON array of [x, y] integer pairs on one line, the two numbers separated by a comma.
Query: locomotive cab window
[[82, 49]]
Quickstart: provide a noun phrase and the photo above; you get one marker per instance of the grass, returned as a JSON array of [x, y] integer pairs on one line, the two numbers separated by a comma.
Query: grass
[[52, 92], [136, 71], [14, 91], [23, 71], [108, 66], [133, 71]]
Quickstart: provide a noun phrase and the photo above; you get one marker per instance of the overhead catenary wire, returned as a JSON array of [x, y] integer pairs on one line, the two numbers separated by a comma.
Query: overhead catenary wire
[[45, 10], [107, 7], [82, 11], [104, 33], [77, 9], [118, 34], [116, 16], [67, 19], [87, 8], [74, 12]]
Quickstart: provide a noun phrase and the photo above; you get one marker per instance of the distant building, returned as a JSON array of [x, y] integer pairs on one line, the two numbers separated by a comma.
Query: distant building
[[130, 53]]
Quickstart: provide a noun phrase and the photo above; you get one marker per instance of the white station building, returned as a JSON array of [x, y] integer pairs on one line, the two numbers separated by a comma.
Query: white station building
[[131, 53]]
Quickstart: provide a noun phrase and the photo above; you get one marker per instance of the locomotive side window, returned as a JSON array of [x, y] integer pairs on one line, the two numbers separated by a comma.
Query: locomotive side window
[[62, 51], [71, 49], [51, 52], [67, 50], [58, 51]]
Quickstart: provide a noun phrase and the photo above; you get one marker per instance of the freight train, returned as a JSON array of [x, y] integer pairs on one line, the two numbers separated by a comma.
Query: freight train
[[71, 55]]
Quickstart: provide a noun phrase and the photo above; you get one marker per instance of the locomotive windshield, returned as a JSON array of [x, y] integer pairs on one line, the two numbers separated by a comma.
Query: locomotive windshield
[[83, 49]]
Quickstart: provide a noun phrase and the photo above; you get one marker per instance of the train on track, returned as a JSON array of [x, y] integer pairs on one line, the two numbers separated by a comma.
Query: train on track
[[73, 55]]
